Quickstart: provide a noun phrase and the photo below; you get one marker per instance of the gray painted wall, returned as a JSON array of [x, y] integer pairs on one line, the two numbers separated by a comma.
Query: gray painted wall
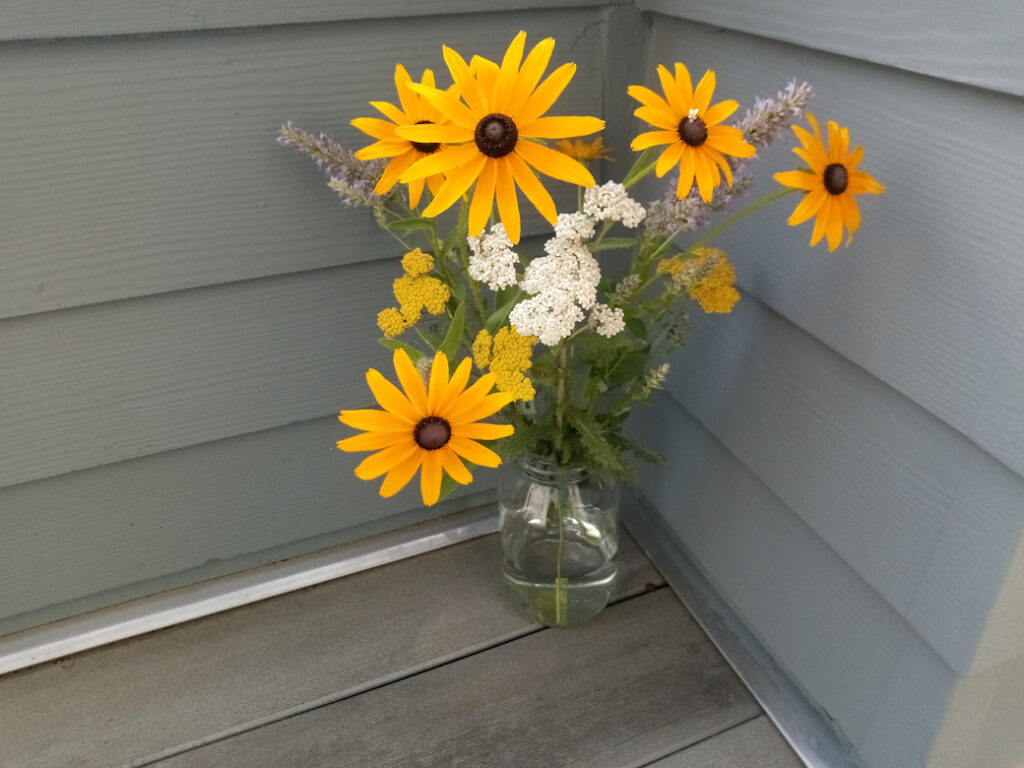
[[845, 448], [184, 305]]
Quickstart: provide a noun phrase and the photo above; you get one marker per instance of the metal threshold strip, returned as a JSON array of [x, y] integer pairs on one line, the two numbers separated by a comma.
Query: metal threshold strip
[[120, 622], [814, 742]]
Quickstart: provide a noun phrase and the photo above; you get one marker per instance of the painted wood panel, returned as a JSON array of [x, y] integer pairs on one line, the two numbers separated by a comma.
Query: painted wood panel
[[24, 19], [881, 480], [152, 165], [928, 296], [976, 43], [192, 683], [565, 696], [828, 630], [88, 539]]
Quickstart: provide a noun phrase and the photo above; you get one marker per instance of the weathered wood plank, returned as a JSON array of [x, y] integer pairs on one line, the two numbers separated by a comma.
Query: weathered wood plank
[[876, 476], [133, 528], [824, 625], [555, 698], [977, 43], [23, 19], [168, 177], [753, 744], [925, 303], [187, 684]]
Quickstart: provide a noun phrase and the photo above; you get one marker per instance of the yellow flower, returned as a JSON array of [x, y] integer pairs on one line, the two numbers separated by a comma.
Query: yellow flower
[[507, 355], [831, 183], [392, 322], [416, 263], [414, 294], [690, 125], [494, 127], [713, 284], [403, 153], [582, 150], [427, 428]]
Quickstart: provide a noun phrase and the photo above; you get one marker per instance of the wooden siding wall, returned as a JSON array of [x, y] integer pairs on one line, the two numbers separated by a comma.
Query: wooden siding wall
[[184, 305], [846, 449]]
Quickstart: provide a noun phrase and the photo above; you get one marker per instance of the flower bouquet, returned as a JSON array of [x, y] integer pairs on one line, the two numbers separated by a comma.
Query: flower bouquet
[[556, 349]]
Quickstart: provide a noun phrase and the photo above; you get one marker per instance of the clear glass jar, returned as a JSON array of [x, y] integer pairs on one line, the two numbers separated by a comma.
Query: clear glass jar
[[559, 538]]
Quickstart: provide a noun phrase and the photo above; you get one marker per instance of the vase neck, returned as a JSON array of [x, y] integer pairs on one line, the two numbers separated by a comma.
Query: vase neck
[[544, 469]]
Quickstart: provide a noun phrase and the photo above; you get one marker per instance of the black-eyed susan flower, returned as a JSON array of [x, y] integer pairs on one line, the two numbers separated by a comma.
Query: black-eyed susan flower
[[831, 182], [584, 150], [430, 429], [493, 127], [690, 125], [414, 110]]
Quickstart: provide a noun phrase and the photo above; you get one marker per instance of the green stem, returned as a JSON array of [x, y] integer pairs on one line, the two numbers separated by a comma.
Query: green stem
[[560, 399], [474, 287], [741, 214]]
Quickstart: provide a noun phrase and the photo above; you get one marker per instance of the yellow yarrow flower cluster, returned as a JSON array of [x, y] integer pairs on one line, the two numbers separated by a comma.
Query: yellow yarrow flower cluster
[[707, 277], [507, 356], [414, 291]]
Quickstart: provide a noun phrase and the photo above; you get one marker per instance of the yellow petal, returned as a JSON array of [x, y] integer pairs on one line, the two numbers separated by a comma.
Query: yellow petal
[[720, 161], [811, 159], [486, 73], [853, 159], [799, 180], [373, 126], [467, 82], [653, 138], [457, 183], [834, 225], [430, 478], [455, 388], [657, 118], [429, 133], [405, 96], [838, 142], [729, 141], [483, 197], [374, 420], [374, 441], [438, 382], [482, 431], [415, 192], [704, 91], [851, 212], [473, 452], [395, 169], [488, 406], [807, 207], [560, 127], [507, 74], [703, 174], [532, 188], [452, 464], [382, 149], [821, 221], [440, 162], [720, 112], [391, 112], [547, 94], [554, 164], [468, 398], [376, 464], [811, 150], [447, 103], [686, 172], [390, 398], [412, 382], [508, 203], [861, 183], [530, 74], [669, 158], [684, 83], [677, 100], [400, 476], [649, 98]]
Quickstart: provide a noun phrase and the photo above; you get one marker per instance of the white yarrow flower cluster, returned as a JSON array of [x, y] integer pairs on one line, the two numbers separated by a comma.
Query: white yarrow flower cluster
[[492, 259], [611, 202], [607, 321]]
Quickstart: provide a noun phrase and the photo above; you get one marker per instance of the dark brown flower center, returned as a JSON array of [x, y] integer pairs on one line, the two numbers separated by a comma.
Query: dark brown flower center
[[836, 179], [426, 149], [693, 131], [496, 135], [432, 433]]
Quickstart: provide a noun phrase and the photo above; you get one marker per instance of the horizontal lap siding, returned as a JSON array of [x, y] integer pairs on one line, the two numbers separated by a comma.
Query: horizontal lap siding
[[173, 421], [876, 392]]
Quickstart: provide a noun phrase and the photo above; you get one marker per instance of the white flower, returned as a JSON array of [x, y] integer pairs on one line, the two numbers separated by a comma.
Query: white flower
[[610, 202], [606, 320], [492, 259], [574, 226], [550, 316]]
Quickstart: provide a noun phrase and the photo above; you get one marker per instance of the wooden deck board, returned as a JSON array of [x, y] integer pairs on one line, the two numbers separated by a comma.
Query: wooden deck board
[[753, 744], [638, 681], [155, 695]]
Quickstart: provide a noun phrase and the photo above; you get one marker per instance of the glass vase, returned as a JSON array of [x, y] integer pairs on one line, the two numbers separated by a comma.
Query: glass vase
[[559, 538]]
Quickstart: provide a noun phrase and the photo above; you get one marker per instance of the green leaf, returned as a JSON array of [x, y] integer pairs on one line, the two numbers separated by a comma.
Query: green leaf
[[500, 315], [611, 243], [636, 327], [449, 242], [408, 225], [433, 341], [643, 166], [447, 486], [629, 368], [454, 336], [394, 344]]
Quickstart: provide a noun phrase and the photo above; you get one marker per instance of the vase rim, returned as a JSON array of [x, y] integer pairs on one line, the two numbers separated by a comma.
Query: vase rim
[[547, 469]]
